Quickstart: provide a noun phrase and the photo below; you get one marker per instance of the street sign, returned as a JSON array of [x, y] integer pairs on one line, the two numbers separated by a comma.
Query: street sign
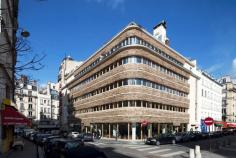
[[209, 121]]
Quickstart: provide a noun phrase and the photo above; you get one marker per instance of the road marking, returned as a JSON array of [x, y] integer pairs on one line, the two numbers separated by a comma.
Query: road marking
[[137, 147], [159, 151], [144, 149], [173, 154], [94, 143]]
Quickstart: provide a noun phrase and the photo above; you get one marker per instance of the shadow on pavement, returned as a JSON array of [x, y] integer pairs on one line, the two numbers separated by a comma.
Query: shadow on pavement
[[224, 146]]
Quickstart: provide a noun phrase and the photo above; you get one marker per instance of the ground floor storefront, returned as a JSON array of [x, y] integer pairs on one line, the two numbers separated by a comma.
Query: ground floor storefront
[[133, 131]]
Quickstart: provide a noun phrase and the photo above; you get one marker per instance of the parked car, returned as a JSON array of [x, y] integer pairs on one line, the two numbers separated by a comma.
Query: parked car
[[48, 138], [179, 137], [27, 132], [73, 134], [217, 134], [162, 139], [61, 147], [196, 135], [40, 138], [32, 136], [85, 151], [188, 136], [86, 137]]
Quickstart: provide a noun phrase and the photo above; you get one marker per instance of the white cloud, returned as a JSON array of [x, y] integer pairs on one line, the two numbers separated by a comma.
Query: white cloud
[[214, 68], [234, 68], [116, 3], [113, 4]]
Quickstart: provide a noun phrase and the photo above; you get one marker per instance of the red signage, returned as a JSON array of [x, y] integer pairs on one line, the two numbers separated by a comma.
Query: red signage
[[10, 116], [144, 123], [208, 121]]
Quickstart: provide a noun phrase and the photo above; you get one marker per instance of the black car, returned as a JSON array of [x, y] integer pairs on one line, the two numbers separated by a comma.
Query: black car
[[188, 136], [196, 135], [162, 139], [40, 138], [85, 151], [56, 147], [86, 137]]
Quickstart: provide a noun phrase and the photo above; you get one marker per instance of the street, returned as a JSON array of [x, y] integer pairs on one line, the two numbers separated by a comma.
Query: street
[[215, 148]]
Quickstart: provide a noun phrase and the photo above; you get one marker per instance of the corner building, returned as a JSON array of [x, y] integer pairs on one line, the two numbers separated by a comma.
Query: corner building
[[134, 86]]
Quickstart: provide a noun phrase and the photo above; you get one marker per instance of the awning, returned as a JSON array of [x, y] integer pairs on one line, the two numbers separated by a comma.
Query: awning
[[231, 125], [10, 116], [219, 123]]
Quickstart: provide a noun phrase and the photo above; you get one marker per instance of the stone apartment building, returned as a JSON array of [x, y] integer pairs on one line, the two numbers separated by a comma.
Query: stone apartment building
[[26, 96], [205, 100], [229, 99], [37, 103], [65, 76], [48, 102], [135, 85]]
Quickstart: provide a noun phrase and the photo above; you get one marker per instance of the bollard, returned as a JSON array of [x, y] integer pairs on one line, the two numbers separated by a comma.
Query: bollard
[[197, 152], [191, 153]]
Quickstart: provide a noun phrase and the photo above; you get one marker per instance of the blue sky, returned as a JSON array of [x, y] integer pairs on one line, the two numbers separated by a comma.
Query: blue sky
[[201, 29]]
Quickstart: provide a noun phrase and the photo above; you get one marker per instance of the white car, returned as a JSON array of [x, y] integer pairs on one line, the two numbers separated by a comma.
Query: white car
[[74, 134]]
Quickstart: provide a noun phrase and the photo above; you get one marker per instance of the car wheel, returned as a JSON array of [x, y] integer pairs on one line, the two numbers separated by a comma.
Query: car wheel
[[158, 143], [173, 142]]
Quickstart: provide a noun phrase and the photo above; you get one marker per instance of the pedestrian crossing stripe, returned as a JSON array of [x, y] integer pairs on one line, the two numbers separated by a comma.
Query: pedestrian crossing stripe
[[173, 154], [138, 147], [150, 148], [159, 151]]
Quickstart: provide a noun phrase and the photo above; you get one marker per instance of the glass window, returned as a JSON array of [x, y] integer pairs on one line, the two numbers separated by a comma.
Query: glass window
[[144, 82], [138, 81], [125, 103], [125, 61], [125, 82], [139, 60]]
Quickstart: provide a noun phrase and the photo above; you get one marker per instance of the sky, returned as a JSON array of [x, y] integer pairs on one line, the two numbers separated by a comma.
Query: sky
[[204, 30]]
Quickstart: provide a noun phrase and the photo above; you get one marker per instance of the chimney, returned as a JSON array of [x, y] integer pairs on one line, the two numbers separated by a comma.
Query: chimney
[[159, 32]]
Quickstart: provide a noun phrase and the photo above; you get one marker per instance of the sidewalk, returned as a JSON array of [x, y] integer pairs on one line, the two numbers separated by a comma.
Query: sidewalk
[[28, 152]]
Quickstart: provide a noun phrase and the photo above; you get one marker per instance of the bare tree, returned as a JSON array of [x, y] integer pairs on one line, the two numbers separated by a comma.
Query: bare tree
[[25, 60], [23, 50]]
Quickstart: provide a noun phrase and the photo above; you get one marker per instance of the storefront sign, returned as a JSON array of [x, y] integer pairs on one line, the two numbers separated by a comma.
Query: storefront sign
[[208, 121], [144, 123], [10, 116]]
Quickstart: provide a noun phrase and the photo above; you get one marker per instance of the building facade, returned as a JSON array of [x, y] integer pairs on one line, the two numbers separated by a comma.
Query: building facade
[[8, 21], [48, 102], [211, 102], [229, 99], [134, 86], [26, 96], [54, 92], [65, 76], [205, 100], [37, 103]]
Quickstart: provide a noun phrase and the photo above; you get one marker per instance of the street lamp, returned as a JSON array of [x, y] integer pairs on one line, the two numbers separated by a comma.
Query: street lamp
[[24, 33]]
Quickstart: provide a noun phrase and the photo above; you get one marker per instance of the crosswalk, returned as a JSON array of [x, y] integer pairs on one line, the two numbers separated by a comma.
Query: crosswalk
[[166, 151]]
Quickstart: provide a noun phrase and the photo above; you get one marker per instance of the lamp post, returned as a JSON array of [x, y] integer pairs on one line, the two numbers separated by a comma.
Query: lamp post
[[24, 33]]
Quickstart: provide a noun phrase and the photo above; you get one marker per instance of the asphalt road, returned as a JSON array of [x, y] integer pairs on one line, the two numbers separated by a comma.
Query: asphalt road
[[224, 147]]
